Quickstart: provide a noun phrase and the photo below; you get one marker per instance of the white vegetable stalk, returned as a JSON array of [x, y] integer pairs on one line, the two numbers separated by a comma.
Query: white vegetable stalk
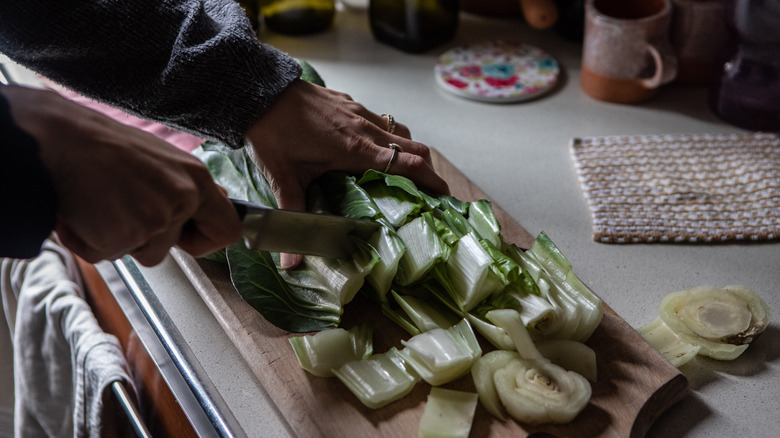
[[494, 334], [660, 336], [721, 322], [390, 249], [530, 387], [424, 248], [537, 314], [425, 315], [395, 204], [510, 321], [321, 352], [482, 372], [571, 356], [577, 311], [469, 273], [448, 414], [379, 379], [483, 219], [440, 356], [538, 391], [343, 278]]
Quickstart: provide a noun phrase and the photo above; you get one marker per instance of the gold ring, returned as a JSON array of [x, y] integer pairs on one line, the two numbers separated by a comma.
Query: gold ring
[[396, 149], [390, 123]]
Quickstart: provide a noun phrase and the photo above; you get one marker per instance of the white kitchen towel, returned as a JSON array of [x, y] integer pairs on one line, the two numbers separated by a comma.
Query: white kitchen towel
[[681, 188], [64, 363]]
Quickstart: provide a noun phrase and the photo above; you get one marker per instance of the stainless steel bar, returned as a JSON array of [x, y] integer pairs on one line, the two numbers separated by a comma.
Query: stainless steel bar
[[128, 407], [204, 407]]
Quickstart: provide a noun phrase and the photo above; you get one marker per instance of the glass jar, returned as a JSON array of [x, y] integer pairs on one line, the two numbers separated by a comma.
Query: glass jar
[[413, 25], [297, 17], [746, 92]]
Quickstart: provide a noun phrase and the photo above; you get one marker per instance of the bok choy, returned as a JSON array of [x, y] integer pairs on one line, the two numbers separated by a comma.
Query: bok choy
[[708, 321], [329, 349], [438, 267], [531, 388]]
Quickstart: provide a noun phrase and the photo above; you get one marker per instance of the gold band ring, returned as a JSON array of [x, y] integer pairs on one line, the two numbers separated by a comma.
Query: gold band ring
[[390, 123], [396, 149]]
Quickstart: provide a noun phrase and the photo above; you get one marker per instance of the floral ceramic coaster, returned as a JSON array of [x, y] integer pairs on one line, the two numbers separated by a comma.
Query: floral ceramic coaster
[[497, 71]]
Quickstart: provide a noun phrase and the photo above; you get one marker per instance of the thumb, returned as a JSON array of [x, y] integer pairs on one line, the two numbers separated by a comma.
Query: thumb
[[292, 197]]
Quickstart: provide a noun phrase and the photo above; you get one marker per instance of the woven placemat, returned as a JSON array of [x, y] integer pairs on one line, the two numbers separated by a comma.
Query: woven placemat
[[681, 188]]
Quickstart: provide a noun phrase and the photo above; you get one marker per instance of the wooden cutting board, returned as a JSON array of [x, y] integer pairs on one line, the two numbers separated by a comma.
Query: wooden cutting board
[[635, 383]]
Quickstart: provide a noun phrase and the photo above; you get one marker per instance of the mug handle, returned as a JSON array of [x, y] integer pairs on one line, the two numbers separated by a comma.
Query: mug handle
[[665, 67]]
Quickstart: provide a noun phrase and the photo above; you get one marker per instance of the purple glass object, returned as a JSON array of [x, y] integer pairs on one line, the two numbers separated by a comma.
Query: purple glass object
[[746, 91]]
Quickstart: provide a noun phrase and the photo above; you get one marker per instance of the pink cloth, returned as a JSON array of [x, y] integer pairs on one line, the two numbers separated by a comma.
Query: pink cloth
[[181, 140]]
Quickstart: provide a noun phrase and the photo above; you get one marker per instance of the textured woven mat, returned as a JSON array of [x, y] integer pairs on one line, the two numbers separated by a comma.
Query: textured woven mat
[[681, 188]]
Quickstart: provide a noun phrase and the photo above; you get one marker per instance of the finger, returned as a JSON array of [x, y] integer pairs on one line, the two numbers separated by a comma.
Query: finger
[[76, 245], [417, 169], [408, 164], [291, 197], [155, 250], [83, 249], [213, 226], [290, 261]]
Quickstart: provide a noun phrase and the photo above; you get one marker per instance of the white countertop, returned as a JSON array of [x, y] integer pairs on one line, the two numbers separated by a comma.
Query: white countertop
[[519, 155]]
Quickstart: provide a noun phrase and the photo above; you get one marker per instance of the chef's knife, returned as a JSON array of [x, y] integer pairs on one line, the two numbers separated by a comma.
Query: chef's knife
[[273, 229]]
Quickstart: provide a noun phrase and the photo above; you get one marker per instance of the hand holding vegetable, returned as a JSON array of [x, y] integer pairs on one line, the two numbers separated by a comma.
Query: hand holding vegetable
[[122, 190], [311, 129]]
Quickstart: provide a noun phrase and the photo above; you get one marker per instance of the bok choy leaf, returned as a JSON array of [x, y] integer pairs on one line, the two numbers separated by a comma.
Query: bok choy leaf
[[289, 300]]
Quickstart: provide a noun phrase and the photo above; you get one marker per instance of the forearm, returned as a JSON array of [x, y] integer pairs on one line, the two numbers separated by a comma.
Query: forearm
[[192, 64]]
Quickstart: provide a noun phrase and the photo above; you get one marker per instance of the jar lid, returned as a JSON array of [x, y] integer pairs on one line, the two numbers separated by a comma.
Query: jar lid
[[497, 71]]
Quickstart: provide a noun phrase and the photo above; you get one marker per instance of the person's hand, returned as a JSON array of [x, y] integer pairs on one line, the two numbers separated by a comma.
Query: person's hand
[[121, 190], [309, 130]]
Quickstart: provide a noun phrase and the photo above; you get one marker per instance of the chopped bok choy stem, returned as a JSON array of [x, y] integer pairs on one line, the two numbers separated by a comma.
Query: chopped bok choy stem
[[440, 356], [721, 322], [321, 352], [390, 249], [426, 315], [577, 310], [571, 356], [536, 391], [447, 414], [494, 334], [379, 379], [482, 373], [482, 218], [660, 336], [424, 248], [530, 387], [343, 278], [469, 273]]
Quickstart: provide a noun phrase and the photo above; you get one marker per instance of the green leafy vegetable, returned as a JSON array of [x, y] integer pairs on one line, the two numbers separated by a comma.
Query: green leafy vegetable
[[289, 300]]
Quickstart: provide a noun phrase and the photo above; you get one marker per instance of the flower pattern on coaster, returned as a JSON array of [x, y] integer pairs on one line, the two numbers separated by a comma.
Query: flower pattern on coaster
[[497, 71]]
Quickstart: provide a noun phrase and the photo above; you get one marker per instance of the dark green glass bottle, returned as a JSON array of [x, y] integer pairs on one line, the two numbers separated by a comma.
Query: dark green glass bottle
[[297, 17], [413, 25]]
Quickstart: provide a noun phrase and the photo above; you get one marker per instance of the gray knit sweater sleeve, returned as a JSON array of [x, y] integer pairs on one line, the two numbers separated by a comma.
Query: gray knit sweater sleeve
[[195, 65]]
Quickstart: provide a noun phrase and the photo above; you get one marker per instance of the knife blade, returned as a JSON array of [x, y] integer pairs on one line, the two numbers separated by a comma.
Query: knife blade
[[273, 229]]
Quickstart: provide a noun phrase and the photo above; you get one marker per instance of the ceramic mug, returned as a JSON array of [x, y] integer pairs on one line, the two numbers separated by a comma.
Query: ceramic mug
[[626, 50]]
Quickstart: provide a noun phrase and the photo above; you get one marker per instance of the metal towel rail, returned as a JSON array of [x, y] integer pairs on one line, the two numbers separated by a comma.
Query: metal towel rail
[[130, 411]]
